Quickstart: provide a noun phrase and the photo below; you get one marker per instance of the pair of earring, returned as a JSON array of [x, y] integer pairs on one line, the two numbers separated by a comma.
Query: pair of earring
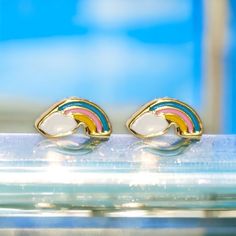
[[151, 120]]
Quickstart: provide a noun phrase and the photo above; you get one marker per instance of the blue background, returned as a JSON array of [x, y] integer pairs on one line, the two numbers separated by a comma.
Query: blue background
[[115, 53]]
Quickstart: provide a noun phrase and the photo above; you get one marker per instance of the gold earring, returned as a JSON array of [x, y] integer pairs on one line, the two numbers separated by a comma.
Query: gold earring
[[65, 117], [155, 118]]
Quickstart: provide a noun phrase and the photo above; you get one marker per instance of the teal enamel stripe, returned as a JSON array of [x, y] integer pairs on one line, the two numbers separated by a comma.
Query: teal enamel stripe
[[182, 108], [90, 107]]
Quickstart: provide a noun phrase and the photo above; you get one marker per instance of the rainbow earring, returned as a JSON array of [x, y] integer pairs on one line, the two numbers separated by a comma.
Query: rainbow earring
[[66, 116], [156, 117]]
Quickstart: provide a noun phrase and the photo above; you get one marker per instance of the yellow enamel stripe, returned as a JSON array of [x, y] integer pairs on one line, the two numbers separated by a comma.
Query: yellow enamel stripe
[[178, 121], [88, 122]]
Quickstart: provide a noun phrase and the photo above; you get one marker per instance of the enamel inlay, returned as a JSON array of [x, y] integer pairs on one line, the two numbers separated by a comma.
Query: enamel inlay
[[149, 124], [90, 107], [57, 124], [185, 109]]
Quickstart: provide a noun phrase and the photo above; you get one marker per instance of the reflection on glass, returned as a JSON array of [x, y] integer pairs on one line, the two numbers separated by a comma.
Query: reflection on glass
[[119, 177], [70, 147], [163, 148]]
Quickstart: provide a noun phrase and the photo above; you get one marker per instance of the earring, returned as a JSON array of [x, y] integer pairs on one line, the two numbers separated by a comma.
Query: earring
[[66, 116], [156, 117]]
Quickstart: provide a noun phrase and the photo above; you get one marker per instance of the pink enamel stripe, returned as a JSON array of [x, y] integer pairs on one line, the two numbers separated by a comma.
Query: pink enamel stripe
[[179, 113], [87, 113]]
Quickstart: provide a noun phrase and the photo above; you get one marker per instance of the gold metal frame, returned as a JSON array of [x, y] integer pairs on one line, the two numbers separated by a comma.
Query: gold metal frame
[[54, 108], [145, 108]]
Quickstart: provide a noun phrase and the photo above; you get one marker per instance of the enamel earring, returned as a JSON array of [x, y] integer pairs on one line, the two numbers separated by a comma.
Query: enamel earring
[[156, 117], [66, 116]]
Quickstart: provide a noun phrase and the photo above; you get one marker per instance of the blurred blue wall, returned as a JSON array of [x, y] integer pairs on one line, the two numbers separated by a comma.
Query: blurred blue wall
[[229, 85], [117, 53], [120, 51]]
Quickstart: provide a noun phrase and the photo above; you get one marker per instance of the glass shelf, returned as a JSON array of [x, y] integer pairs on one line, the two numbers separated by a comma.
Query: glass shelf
[[82, 183]]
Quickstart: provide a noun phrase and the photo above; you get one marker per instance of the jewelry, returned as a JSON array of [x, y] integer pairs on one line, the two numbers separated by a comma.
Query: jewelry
[[66, 116], [156, 117]]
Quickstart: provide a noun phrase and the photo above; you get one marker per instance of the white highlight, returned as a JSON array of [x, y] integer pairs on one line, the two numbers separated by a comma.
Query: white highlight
[[149, 124], [57, 124]]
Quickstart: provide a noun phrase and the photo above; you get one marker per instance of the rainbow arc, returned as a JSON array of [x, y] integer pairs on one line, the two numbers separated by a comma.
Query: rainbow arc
[[65, 117], [157, 116], [88, 113]]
